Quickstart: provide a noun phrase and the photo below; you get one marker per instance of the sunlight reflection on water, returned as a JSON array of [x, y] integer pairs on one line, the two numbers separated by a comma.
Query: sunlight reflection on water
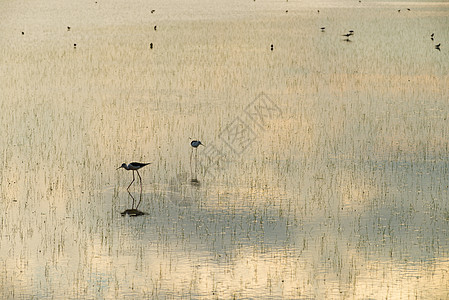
[[324, 171]]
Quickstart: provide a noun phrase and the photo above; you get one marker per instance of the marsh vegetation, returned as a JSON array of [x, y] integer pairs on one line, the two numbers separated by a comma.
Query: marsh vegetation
[[340, 191]]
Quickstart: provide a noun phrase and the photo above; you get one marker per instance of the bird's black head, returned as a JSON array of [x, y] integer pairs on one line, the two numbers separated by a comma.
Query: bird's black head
[[124, 165]]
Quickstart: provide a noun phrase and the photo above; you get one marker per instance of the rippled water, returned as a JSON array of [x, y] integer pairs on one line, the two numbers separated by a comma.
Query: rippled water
[[325, 168]]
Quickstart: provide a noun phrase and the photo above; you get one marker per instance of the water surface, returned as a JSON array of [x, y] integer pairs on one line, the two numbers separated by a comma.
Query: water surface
[[325, 170]]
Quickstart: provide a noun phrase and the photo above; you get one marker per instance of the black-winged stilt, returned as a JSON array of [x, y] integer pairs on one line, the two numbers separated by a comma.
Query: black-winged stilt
[[195, 144], [134, 166]]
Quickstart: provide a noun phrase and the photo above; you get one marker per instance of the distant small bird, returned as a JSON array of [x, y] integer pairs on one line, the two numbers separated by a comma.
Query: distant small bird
[[286, 11], [347, 35], [68, 28], [151, 45], [155, 27], [431, 36], [134, 166], [322, 29], [195, 143], [318, 11], [408, 9], [272, 47], [152, 11], [23, 33], [438, 47], [351, 31], [347, 40], [74, 45], [399, 10]]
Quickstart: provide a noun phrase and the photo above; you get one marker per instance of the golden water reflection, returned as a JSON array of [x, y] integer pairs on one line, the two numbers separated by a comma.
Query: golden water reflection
[[341, 191]]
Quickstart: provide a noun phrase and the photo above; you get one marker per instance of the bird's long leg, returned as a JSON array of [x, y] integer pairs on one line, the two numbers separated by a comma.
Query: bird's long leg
[[140, 200], [140, 178], [131, 181], [191, 153], [134, 200], [196, 161]]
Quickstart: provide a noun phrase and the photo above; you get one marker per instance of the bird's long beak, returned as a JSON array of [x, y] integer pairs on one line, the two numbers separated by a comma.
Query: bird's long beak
[[119, 167]]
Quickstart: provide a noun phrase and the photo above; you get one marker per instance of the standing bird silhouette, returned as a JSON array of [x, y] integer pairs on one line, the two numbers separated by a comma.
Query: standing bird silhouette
[[134, 166], [195, 144]]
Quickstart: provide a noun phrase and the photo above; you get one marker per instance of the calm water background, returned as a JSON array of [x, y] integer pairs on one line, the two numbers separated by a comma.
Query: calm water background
[[325, 172]]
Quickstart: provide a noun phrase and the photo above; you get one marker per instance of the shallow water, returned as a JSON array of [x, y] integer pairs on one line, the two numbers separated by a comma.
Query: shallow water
[[324, 172]]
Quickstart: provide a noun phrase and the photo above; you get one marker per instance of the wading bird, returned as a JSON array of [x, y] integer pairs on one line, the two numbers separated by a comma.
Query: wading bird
[[195, 144], [134, 166], [438, 47]]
